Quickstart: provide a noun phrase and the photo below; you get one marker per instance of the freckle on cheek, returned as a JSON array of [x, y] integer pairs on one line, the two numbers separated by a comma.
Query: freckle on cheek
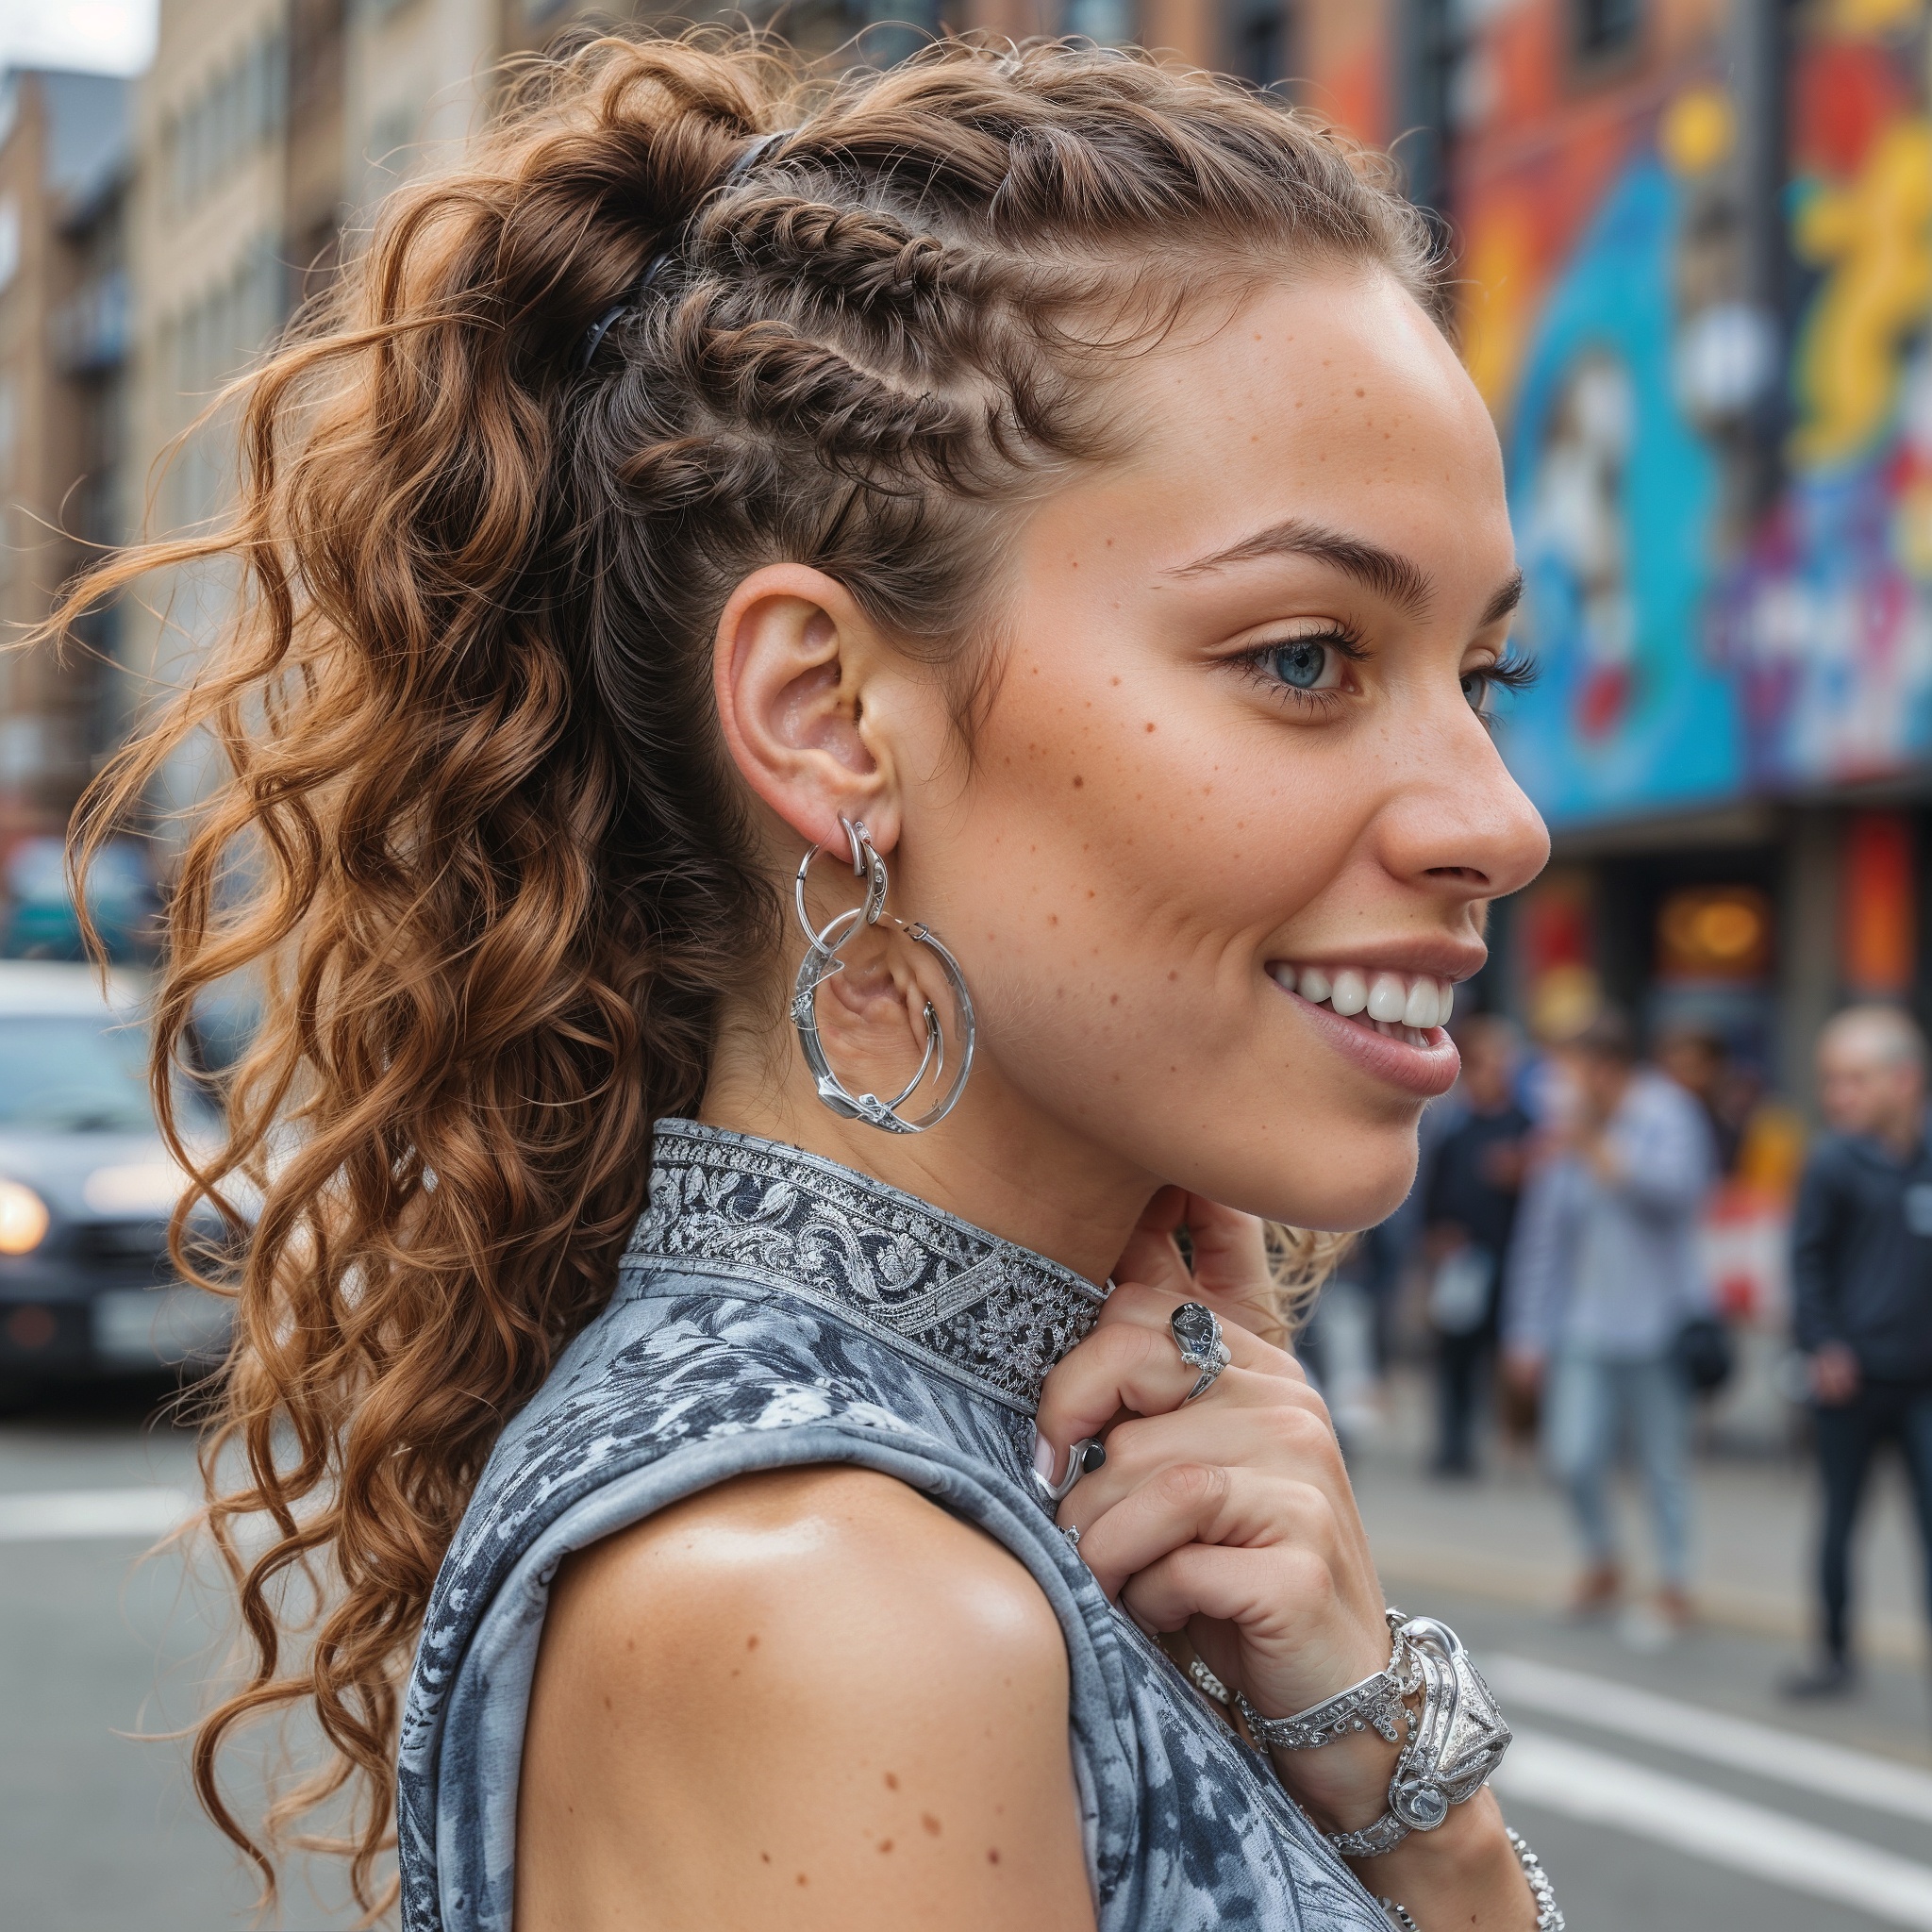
[[930, 1823]]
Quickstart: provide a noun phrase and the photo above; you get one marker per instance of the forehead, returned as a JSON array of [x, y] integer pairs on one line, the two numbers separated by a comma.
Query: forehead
[[1333, 397], [1863, 1047]]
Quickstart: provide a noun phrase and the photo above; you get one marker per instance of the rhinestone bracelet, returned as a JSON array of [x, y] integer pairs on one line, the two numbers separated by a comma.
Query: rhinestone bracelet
[[1374, 1703], [1456, 1740], [1549, 1918]]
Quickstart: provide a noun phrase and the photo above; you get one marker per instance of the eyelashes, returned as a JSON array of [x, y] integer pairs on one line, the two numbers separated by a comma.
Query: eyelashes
[[1280, 667], [1512, 671]]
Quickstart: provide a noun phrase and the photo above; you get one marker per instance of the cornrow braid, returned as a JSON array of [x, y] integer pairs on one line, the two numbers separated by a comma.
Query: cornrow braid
[[684, 312]]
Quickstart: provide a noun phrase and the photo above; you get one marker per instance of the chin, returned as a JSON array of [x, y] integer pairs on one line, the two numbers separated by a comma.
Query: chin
[[1336, 1184]]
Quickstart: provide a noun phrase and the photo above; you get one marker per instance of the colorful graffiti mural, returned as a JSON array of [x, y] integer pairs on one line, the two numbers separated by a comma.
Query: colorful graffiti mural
[[1692, 648]]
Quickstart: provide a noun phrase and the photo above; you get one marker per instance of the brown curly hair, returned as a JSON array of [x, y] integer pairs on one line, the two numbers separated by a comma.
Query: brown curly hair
[[474, 832]]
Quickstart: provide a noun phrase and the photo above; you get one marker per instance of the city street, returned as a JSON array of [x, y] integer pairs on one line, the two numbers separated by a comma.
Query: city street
[[1664, 1789]]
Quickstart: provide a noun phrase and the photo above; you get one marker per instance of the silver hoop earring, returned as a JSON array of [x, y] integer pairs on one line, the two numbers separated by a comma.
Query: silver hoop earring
[[822, 961]]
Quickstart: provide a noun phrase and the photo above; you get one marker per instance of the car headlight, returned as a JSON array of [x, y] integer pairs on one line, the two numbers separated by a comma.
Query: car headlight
[[23, 1218]]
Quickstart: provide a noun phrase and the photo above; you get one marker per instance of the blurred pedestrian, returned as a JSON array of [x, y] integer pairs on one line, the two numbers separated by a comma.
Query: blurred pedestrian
[[1700, 1063], [1863, 1275], [1603, 1278], [1469, 1213]]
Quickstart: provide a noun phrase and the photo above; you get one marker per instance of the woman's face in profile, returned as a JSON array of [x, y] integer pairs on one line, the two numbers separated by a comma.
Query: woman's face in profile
[[1232, 775]]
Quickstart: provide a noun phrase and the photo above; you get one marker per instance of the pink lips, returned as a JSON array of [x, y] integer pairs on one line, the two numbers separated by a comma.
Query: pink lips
[[1424, 1070]]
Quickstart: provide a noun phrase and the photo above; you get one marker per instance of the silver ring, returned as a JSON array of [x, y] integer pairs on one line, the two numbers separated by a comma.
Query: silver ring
[[1072, 1532], [1083, 1459], [1196, 1331]]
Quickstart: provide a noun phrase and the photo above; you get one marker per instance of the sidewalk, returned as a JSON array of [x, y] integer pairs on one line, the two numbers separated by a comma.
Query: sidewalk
[[1506, 1536]]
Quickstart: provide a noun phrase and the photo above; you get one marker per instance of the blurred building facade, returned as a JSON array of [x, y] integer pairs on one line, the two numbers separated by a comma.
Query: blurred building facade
[[63, 335]]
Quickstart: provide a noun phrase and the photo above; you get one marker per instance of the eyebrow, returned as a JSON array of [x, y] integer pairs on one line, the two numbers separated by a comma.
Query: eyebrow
[[1509, 595], [1398, 579]]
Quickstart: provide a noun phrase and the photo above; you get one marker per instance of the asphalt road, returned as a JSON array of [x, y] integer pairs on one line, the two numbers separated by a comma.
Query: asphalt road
[[1640, 1778]]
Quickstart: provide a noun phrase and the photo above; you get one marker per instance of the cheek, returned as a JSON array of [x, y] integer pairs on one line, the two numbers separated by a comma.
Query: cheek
[[1136, 842]]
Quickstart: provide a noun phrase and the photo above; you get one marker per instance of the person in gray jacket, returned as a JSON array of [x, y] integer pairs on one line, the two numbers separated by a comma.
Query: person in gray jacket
[[1603, 1277]]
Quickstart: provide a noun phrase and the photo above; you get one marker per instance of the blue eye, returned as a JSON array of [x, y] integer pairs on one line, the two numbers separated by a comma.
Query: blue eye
[[1302, 666]]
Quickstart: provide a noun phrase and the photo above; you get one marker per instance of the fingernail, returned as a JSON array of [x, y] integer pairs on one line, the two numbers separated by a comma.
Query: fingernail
[[1046, 1458]]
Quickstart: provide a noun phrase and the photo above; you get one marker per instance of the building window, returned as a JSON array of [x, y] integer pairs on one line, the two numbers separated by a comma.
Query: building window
[[241, 107], [1605, 29]]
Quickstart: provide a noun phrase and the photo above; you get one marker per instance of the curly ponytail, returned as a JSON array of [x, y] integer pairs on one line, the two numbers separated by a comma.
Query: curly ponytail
[[494, 871]]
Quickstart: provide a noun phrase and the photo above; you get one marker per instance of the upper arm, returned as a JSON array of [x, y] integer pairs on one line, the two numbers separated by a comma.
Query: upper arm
[[1815, 1226], [807, 1698]]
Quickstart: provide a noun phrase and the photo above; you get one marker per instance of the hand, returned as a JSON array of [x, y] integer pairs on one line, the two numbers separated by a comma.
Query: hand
[[1230, 1272], [1523, 1370], [1834, 1373], [1230, 1518]]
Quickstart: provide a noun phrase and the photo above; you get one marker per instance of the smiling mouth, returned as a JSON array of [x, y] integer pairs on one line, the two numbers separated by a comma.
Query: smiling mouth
[[1399, 1005]]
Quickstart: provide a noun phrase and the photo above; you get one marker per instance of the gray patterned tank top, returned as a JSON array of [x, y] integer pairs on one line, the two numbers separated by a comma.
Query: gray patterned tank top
[[773, 1309]]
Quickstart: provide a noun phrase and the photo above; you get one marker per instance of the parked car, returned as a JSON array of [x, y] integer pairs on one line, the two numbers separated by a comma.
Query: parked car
[[86, 1185]]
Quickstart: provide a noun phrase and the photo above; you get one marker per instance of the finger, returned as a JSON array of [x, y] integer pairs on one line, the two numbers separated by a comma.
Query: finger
[[1153, 1307], [1253, 1427], [1230, 1248], [1122, 1365], [1207, 1503], [1151, 1254], [1307, 1638], [1313, 1481]]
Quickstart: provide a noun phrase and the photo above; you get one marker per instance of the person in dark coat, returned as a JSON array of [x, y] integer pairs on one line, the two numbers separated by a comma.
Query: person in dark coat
[[1862, 1278], [1469, 1213]]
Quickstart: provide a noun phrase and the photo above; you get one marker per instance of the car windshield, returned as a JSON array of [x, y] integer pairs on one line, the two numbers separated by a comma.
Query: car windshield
[[71, 1073]]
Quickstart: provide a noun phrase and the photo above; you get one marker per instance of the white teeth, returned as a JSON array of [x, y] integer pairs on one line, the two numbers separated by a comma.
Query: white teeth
[[1393, 1003], [1350, 993], [1387, 998]]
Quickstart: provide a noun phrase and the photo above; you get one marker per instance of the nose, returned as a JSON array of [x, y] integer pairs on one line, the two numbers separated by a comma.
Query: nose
[[1456, 819]]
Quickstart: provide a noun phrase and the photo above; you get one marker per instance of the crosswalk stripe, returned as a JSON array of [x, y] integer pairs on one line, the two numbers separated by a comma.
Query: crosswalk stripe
[[1552, 1774], [73, 1515], [1600, 1703]]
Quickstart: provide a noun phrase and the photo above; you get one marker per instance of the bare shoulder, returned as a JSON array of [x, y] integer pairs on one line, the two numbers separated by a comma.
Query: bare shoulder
[[808, 1693]]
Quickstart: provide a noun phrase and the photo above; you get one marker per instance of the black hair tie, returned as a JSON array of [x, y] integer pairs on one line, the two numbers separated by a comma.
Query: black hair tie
[[633, 297]]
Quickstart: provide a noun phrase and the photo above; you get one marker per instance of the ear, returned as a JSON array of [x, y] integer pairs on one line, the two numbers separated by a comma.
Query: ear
[[790, 665]]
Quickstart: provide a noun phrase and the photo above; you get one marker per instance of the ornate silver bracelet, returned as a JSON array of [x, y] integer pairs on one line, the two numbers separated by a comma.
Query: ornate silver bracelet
[[1376, 1703], [1549, 1917], [1454, 1745]]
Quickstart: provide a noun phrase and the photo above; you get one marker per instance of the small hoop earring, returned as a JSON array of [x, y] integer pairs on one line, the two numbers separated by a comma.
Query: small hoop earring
[[822, 961]]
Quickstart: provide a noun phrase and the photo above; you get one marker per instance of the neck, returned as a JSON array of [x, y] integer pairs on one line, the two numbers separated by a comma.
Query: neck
[[996, 1160]]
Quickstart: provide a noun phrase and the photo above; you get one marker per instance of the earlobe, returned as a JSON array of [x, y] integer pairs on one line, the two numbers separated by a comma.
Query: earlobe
[[789, 664]]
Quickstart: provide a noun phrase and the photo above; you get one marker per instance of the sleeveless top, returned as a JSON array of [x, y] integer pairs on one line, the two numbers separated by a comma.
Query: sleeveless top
[[773, 1309]]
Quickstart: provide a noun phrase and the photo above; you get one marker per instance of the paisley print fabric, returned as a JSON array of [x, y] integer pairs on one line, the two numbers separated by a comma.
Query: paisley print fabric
[[775, 1309]]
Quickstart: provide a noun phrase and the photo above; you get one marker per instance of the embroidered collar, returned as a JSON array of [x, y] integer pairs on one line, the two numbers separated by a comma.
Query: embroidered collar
[[990, 1314]]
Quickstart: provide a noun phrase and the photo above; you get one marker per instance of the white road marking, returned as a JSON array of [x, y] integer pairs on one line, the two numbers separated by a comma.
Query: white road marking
[[1787, 1757], [1554, 1774], [72, 1515]]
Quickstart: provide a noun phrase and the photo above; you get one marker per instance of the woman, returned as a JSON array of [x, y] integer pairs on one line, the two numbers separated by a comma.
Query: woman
[[1033, 479]]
